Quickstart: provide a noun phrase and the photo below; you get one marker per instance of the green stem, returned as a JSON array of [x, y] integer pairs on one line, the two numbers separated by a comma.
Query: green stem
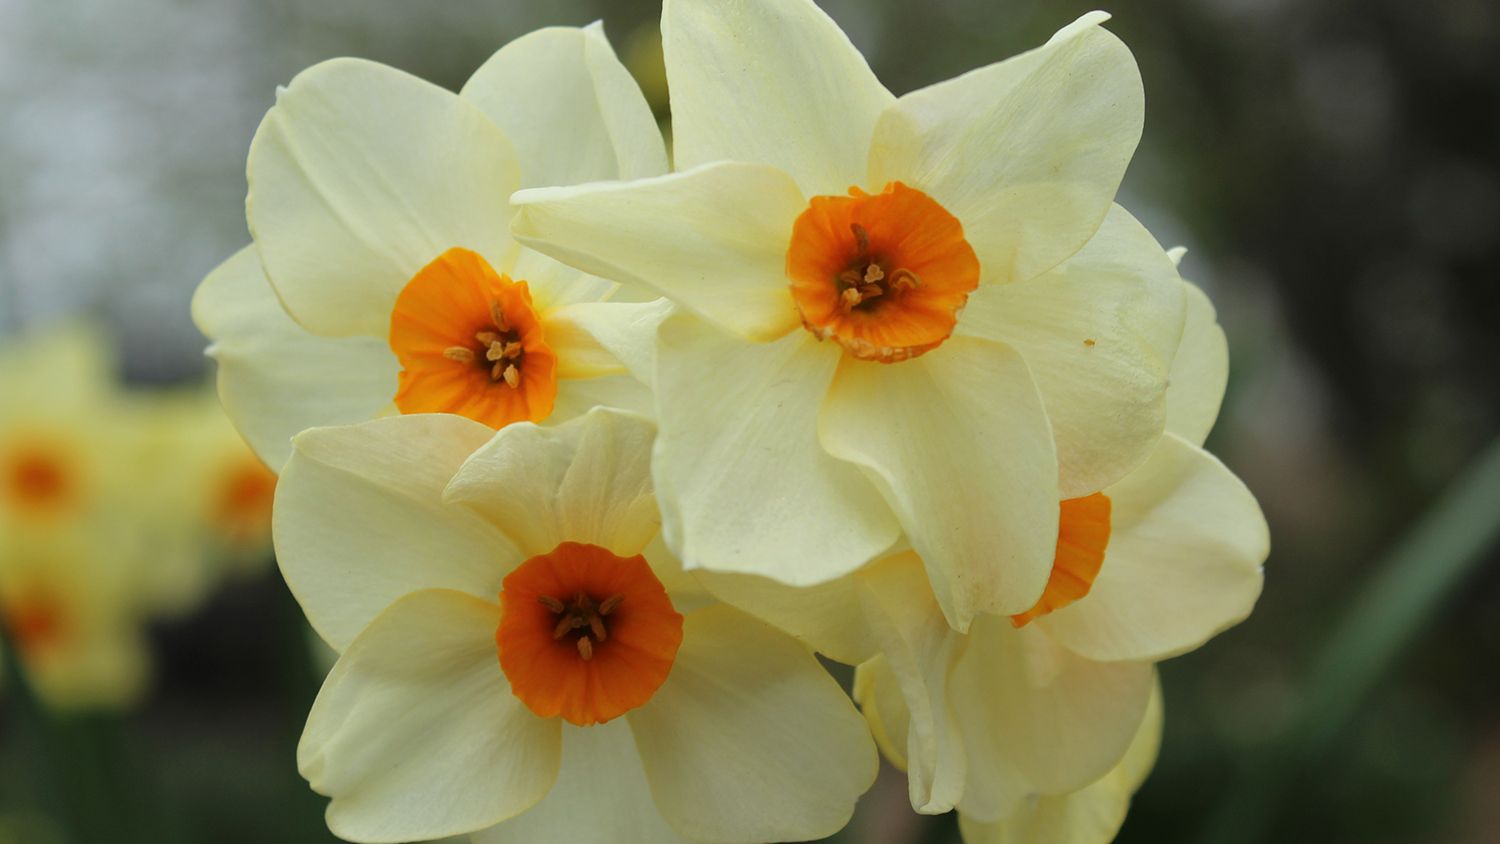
[[1392, 610]]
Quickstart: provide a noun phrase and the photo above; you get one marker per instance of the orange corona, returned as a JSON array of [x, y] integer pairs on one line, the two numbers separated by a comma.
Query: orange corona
[[585, 634], [1082, 536], [469, 342], [883, 274], [38, 479]]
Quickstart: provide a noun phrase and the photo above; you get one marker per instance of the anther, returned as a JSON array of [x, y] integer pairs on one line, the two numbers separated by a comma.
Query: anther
[[585, 648], [873, 273], [512, 349], [511, 374], [459, 353], [497, 316], [903, 280], [849, 298], [861, 238], [487, 338], [496, 351], [610, 604], [596, 626], [550, 603]]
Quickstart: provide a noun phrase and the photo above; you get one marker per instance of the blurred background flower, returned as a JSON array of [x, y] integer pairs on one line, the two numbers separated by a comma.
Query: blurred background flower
[[1335, 174]]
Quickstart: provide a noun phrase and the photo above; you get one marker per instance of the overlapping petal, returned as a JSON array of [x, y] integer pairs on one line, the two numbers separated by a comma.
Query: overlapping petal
[[359, 520], [775, 82], [572, 111], [275, 378], [958, 443], [1186, 544], [1027, 152], [1200, 371], [587, 480], [1099, 334], [602, 786], [713, 239], [415, 734], [744, 484], [360, 176], [749, 739]]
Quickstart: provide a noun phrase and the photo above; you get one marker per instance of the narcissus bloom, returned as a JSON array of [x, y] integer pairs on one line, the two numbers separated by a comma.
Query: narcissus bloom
[[383, 277], [522, 658], [1044, 702], [918, 315]]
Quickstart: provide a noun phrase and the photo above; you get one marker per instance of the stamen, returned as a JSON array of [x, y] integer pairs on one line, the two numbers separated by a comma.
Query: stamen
[[512, 375], [512, 349], [488, 338], [861, 238], [459, 353], [596, 626], [873, 273], [496, 351], [585, 648], [849, 298], [497, 316], [550, 603], [610, 604], [903, 280]]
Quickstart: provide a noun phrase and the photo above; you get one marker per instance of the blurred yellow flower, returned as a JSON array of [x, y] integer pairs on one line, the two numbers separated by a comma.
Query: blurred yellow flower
[[985, 333], [522, 659], [383, 277]]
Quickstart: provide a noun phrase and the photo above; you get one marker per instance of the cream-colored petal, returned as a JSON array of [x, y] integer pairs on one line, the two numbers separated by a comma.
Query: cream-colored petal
[[920, 650], [587, 480], [275, 378], [774, 81], [570, 108], [1063, 721], [1200, 370], [743, 483], [359, 520], [1091, 815], [1183, 563], [416, 735], [607, 338], [556, 285], [878, 694], [601, 795], [1027, 152], [749, 739], [577, 396], [360, 176], [713, 240], [825, 616], [1099, 333], [958, 443]]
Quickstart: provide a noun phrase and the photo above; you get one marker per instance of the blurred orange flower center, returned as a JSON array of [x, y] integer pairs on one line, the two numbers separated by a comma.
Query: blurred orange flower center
[[884, 274], [34, 622], [37, 480], [469, 342], [1082, 536], [245, 500], [585, 634]]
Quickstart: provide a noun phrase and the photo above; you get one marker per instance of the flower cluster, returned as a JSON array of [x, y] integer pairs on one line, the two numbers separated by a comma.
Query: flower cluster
[[582, 456], [104, 528]]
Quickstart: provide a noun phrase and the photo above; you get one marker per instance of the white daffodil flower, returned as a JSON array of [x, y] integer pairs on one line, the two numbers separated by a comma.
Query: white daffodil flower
[[917, 315], [1044, 702], [383, 277], [522, 659]]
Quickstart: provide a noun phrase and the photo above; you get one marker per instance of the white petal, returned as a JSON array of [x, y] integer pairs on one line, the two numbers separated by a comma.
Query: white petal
[[920, 650], [600, 795], [1098, 333], [1183, 562], [1091, 815], [749, 739], [1063, 721], [825, 616], [416, 735], [959, 444], [577, 396], [619, 336], [714, 239], [587, 480], [359, 520], [275, 378], [774, 81], [360, 176], [1027, 152], [878, 694], [570, 108], [743, 483], [1200, 371], [555, 285]]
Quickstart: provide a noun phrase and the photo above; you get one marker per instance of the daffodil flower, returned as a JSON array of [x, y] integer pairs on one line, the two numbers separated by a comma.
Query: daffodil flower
[[522, 659], [1042, 703], [383, 277], [917, 315]]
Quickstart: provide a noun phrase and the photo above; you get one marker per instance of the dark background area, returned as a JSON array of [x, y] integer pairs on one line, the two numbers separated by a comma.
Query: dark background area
[[1333, 168]]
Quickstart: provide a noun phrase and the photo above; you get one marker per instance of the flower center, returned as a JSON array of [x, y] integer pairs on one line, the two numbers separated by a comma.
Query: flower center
[[37, 480], [585, 634], [1082, 536], [884, 275], [34, 621], [245, 500], [470, 342]]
